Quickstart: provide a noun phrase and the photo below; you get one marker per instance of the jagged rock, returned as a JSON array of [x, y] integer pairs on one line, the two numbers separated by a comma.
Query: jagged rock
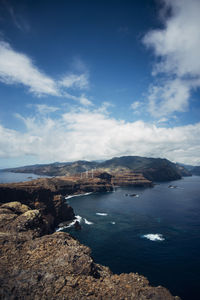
[[34, 195], [28, 221], [57, 266], [77, 225], [16, 207]]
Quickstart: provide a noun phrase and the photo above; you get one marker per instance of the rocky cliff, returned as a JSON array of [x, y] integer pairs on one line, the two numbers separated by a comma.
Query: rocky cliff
[[128, 178], [47, 195], [38, 266]]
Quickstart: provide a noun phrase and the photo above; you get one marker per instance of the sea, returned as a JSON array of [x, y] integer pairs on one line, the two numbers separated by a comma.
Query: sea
[[10, 177], [152, 231]]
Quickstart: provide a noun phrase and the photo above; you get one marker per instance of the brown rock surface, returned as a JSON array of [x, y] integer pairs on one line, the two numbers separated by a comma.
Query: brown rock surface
[[129, 178], [57, 266], [47, 195]]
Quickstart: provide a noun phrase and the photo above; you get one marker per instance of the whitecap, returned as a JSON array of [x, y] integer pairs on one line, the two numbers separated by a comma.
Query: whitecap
[[154, 237], [87, 222], [60, 228], [77, 218], [113, 223], [78, 195], [101, 214]]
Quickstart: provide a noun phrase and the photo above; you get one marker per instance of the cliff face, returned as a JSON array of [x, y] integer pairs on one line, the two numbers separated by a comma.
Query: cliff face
[[53, 208], [47, 195], [38, 266], [128, 178]]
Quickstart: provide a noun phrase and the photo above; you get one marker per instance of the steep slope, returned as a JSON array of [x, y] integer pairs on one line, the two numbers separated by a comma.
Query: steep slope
[[56, 169], [154, 169]]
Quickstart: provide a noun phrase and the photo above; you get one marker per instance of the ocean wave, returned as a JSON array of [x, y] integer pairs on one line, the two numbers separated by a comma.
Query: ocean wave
[[154, 237], [88, 222], [101, 214], [113, 223], [78, 195], [77, 218]]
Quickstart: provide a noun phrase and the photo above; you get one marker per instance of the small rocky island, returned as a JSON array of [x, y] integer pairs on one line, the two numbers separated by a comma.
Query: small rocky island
[[38, 263]]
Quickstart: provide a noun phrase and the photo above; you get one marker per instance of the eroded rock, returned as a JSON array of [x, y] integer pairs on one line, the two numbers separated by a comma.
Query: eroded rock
[[56, 266]]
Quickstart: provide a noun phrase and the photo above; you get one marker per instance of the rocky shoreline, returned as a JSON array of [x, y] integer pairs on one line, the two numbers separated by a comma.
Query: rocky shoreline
[[36, 263]]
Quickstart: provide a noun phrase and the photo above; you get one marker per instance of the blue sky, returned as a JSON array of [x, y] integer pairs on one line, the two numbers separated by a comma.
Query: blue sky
[[97, 79]]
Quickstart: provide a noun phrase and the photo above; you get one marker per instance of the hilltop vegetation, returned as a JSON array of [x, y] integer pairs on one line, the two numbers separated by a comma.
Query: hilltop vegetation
[[155, 169]]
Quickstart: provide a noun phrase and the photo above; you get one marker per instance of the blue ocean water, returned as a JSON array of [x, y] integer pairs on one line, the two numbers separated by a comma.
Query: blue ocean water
[[156, 234], [10, 177]]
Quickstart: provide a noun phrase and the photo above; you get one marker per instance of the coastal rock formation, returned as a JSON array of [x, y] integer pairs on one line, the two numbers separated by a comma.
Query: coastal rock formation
[[47, 195], [128, 178], [53, 208], [56, 266]]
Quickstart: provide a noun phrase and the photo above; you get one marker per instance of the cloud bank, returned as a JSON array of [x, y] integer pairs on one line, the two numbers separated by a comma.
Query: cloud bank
[[92, 134], [176, 47]]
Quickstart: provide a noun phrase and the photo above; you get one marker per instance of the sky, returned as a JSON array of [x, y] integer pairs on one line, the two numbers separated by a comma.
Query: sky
[[96, 79]]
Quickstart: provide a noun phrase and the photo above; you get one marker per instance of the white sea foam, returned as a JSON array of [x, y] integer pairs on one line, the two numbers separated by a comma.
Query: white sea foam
[[77, 218], [78, 195], [60, 228], [154, 237], [113, 223], [87, 222], [101, 214]]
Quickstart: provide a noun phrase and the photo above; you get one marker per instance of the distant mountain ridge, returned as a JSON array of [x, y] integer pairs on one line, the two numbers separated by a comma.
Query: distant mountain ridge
[[154, 169]]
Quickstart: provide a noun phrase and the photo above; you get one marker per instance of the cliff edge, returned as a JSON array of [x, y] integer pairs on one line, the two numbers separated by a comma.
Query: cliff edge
[[38, 266]]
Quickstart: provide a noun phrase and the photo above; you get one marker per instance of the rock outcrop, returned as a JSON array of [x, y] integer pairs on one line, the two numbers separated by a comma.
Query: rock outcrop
[[47, 195], [56, 266], [53, 208], [128, 178]]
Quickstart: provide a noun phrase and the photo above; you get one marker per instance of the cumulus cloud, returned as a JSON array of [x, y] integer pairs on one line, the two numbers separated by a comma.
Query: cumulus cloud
[[177, 48], [91, 134], [169, 97], [18, 68]]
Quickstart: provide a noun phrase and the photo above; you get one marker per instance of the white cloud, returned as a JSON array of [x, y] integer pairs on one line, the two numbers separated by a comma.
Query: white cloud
[[135, 105], [104, 107], [75, 81], [162, 120], [46, 109], [89, 134], [168, 98], [177, 48], [18, 68], [82, 99]]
